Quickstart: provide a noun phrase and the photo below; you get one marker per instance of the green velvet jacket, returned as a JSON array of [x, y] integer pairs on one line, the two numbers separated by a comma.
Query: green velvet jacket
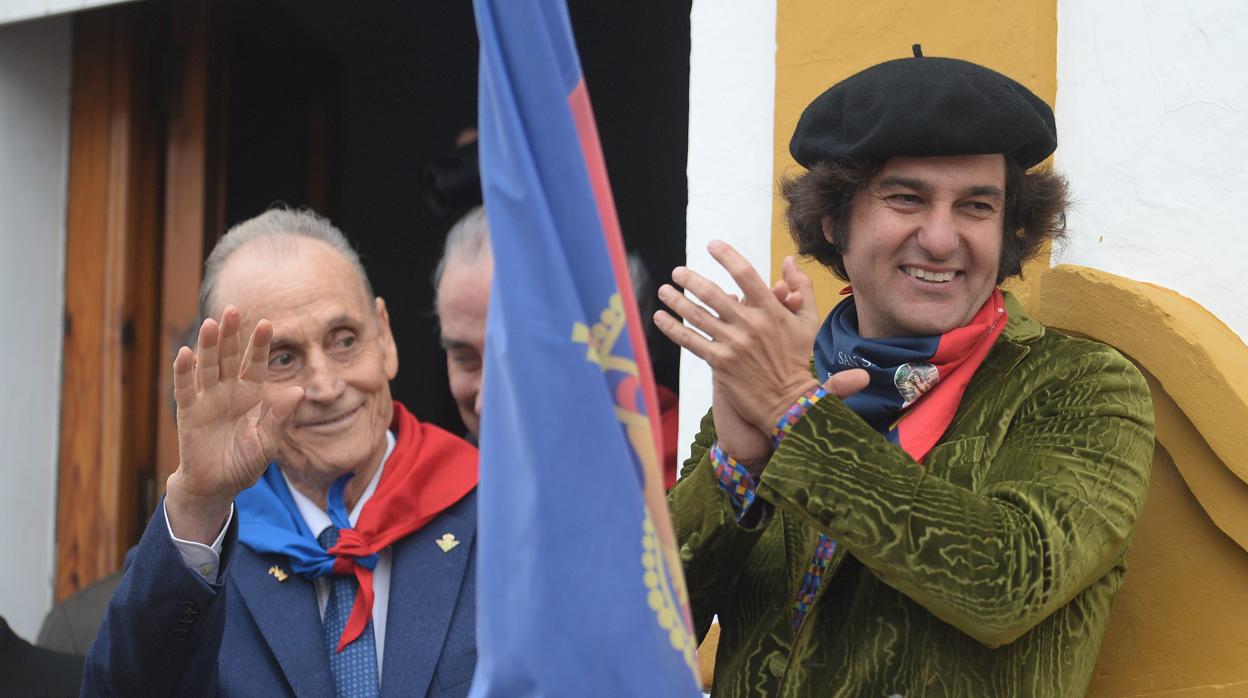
[[987, 570]]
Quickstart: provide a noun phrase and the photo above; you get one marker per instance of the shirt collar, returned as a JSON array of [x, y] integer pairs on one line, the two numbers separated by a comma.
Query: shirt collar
[[1020, 328], [316, 518]]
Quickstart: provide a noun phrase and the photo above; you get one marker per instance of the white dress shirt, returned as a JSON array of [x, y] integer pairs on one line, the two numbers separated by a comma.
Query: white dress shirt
[[206, 560]]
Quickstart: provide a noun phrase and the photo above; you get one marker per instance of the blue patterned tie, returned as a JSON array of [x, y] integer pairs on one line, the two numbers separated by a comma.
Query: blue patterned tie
[[354, 668]]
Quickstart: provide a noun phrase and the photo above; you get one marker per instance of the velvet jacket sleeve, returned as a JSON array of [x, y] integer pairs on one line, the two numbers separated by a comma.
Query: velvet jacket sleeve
[[710, 539], [1052, 485], [164, 626]]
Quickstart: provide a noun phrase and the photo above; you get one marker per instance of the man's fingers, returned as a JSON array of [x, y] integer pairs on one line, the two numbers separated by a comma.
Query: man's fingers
[[780, 289], [231, 321], [281, 409], [747, 278], [707, 291], [846, 383], [693, 313], [790, 299], [800, 284], [207, 367], [272, 423], [255, 362], [184, 378], [685, 337]]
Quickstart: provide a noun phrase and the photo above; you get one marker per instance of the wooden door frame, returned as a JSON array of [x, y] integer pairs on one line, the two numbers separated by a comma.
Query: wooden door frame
[[194, 193], [139, 203]]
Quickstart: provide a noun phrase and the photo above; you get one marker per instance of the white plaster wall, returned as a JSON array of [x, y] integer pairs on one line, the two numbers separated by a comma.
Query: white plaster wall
[[732, 80], [1152, 117], [34, 145], [18, 10]]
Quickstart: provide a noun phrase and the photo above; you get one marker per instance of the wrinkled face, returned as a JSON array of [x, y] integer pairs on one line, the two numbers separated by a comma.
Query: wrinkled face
[[463, 298], [925, 243], [330, 338]]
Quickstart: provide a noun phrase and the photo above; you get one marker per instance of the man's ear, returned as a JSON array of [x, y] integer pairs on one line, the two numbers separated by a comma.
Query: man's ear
[[826, 222], [390, 353]]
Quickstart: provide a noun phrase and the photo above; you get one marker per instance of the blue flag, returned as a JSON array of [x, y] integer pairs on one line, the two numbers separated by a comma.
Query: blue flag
[[579, 589]]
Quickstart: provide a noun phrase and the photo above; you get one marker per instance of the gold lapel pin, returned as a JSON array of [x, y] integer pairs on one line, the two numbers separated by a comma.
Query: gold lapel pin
[[447, 542], [278, 573]]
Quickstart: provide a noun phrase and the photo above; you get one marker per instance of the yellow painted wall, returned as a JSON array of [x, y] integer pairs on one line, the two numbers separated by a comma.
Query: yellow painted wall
[[819, 43], [1178, 626]]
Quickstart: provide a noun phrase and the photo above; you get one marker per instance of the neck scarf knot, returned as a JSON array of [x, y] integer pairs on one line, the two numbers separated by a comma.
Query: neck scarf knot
[[428, 471], [916, 383]]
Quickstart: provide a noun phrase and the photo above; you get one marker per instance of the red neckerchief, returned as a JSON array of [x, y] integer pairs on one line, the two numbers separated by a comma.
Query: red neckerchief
[[938, 368], [958, 357], [428, 471]]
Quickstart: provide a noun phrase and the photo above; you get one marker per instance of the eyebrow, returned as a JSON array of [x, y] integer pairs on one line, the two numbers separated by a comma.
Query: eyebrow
[[339, 320], [342, 319], [984, 190], [279, 341], [901, 182], [449, 344]]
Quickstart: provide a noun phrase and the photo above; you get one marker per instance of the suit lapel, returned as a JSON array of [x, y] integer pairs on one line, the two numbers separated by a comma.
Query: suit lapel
[[424, 590], [288, 617]]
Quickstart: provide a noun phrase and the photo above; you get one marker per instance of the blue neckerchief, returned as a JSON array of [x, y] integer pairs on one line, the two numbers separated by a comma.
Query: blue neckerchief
[[839, 347], [269, 522]]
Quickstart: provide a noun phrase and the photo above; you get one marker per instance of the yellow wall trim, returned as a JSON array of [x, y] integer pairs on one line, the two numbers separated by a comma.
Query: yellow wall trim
[[1223, 496], [1176, 627], [1196, 358]]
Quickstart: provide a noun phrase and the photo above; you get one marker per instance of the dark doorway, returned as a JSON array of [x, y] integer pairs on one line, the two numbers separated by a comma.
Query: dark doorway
[[334, 106]]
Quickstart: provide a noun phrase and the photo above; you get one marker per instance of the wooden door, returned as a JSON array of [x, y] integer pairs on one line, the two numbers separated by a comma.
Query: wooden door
[[140, 203]]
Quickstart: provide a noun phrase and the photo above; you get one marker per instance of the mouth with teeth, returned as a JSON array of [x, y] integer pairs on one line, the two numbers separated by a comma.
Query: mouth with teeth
[[929, 276]]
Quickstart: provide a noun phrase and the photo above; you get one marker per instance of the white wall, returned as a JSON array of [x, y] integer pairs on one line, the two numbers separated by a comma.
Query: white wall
[[18, 10], [1152, 116], [732, 81], [34, 145]]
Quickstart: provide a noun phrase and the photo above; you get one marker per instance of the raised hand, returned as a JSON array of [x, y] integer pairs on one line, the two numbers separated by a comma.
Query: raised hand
[[227, 434], [759, 346]]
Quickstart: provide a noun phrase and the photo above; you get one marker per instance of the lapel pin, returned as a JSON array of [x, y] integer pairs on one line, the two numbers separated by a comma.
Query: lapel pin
[[278, 573], [446, 542]]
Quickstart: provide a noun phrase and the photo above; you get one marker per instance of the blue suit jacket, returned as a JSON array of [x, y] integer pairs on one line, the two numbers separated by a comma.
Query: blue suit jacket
[[167, 632]]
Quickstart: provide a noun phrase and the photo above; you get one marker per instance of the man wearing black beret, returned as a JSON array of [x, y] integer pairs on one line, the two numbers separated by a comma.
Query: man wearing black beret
[[945, 507]]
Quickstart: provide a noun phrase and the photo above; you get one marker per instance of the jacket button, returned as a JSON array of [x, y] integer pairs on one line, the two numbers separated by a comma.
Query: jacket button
[[777, 664]]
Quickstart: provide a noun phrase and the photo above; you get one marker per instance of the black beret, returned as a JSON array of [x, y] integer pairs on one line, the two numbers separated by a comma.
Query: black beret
[[925, 106]]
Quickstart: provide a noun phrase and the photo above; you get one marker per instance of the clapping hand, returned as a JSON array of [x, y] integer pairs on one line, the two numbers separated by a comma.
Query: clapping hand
[[758, 346]]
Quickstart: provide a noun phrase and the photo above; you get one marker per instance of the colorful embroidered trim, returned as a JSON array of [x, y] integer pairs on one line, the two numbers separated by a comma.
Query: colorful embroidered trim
[[796, 412], [810, 583], [734, 479]]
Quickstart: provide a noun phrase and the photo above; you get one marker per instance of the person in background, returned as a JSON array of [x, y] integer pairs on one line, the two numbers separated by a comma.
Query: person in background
[[461, 284], [71, 625], [27, 670]]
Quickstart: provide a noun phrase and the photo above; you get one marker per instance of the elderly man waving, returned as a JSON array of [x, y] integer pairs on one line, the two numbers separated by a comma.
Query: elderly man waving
[[316, 539], [944, 507]]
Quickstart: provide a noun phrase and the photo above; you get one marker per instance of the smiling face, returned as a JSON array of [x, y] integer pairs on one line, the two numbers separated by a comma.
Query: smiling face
[[925, 243], [330, 338], [463, 299]]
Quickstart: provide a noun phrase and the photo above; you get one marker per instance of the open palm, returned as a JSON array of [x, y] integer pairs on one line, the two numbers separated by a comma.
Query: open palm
[[226, 432]]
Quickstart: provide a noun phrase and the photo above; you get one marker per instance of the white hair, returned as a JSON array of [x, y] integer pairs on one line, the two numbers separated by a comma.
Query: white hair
[[467, 241], [280, 226]]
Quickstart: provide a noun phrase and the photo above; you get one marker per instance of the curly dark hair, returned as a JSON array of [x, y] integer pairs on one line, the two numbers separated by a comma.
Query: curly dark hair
[[1035, 211]]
